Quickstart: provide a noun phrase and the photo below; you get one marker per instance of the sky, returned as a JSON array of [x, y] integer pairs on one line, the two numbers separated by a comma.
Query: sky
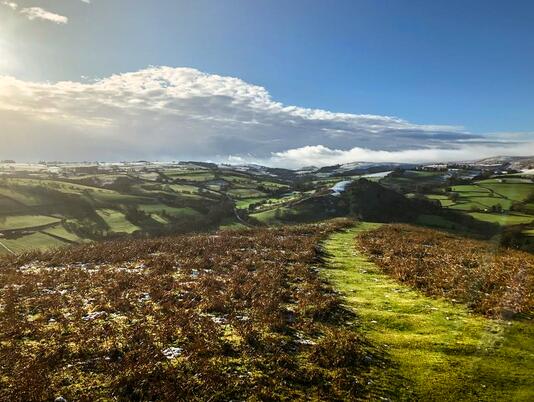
[[282, 83]]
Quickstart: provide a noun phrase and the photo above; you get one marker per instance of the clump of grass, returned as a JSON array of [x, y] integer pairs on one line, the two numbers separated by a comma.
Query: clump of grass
[[227, 316], [496, 282]]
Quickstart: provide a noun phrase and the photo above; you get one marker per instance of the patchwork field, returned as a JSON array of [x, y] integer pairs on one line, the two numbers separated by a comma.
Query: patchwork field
[[96, 206], [159, 199], [504, 200]]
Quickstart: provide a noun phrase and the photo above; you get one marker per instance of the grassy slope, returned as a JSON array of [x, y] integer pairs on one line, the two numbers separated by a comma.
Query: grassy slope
[[443, 351], [25, 221], [60, 231], [116, 221], [34, 241], [174, 211], [503, 219]]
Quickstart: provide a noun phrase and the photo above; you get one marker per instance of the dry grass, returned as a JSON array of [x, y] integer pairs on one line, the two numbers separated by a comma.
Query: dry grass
[[492, 281], [228, 316]]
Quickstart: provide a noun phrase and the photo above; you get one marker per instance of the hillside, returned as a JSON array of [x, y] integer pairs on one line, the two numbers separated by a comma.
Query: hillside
[[418, 301], [288, 313], [229, 316]]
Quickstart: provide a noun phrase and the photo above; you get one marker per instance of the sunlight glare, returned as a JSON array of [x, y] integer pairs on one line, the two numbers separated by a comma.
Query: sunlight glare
[[6, 60]]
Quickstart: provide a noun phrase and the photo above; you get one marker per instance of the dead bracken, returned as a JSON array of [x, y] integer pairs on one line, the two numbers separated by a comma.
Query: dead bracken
[[197, 317], [494, 281]]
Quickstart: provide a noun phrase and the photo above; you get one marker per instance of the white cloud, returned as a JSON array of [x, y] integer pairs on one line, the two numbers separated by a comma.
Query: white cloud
[[12, 5], [322, 156], [169, 113], [33, 13]]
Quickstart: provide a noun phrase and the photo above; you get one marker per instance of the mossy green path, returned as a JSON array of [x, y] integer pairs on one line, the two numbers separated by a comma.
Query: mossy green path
[[439, 349]]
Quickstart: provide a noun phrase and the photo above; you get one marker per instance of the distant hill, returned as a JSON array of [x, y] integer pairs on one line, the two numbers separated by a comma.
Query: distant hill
[[359, 168], [370, 201], [510, 162]]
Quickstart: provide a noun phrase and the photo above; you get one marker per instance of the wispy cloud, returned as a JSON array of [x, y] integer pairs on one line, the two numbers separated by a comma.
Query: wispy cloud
[[168, 113], [33, 13], [10, 4]]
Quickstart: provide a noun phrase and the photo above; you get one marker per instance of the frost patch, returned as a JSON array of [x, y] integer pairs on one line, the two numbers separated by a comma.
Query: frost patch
[[172, 352], [94, 315]]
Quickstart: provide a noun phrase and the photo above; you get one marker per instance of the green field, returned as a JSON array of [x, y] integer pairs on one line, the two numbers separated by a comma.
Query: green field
[[180, 188], [9, 206], [173, 211], [273, 185], [437, 221], [94, 212], [34, 241], [268, 203], [70, 188], [116, 221], [60, 231], [272, 216], [19, 197], [245, 202], [245, 193], [503, 219], [17, 222], [189, 176], [488, 194], [443, 199], [515, 192], [469, 189]]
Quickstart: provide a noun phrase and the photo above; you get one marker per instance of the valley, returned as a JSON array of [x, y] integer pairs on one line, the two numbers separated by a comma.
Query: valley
[[50, 205]]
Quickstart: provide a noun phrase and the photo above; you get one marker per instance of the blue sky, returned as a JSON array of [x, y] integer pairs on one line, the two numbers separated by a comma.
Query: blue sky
[[467, 64]]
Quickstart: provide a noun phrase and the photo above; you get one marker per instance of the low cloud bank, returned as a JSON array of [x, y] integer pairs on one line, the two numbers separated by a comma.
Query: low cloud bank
[[164, 113]]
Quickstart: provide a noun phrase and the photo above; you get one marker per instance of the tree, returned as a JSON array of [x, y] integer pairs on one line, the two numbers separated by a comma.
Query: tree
[[454, 197]]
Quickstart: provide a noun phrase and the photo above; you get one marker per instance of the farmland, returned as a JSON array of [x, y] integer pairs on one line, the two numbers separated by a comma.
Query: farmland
[[17, 222], [87, 203], [504, 200]]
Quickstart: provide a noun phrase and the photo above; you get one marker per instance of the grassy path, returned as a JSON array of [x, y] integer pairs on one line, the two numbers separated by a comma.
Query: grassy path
[[440, 350]]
